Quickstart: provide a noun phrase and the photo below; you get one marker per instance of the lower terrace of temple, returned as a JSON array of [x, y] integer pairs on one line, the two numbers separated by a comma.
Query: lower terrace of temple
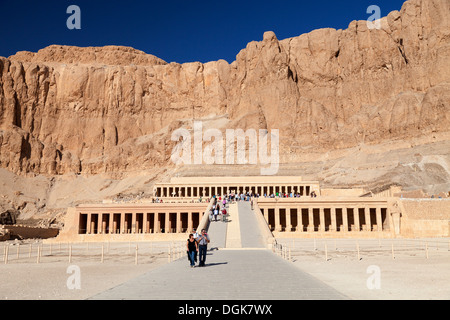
[[177, 208]]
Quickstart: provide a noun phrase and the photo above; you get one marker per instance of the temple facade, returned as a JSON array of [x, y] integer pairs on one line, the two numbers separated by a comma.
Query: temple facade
[[328, 215], [208, 186], [132, 222], [290, 207]]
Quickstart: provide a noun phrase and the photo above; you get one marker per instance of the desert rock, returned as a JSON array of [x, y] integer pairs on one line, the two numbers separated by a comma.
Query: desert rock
[[111, 110]]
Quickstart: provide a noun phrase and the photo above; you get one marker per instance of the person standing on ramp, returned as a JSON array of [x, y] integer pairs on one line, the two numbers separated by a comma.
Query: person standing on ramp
[[192, 249], [203, 241]]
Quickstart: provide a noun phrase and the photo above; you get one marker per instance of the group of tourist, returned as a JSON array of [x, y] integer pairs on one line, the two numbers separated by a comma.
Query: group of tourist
[[231, 197], [197, 244], [288, 195]]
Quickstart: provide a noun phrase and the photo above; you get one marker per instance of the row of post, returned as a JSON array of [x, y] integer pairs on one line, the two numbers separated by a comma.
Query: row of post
[[174, 251], [285, 250]]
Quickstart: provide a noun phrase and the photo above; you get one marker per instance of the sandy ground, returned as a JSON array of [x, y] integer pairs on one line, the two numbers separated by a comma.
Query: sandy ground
[[378, 275], [409, 274], [55, 278]]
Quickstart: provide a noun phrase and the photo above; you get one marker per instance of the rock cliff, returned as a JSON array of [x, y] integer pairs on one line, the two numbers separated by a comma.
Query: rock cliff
[[112, 110]]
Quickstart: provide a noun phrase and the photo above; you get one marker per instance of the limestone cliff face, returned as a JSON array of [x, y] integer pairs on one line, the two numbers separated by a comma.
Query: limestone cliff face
[[112, 109]]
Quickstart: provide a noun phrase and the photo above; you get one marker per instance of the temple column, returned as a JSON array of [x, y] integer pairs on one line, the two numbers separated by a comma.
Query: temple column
[[88, 223], [115, 226], [367, 216], [100, 223], [103, 231], [311, 220], [345, 219], [299, 220], [356, 219], [144, 222], [149, 223], [168, 225], [93, 225], [369, 219], [122, 223], [178, 228], [125, 224], [277, 219], [288, 220], [149, 230], [333, 219], [378, 217], [111, 223], [190, 222], [322, 219], [133, 223], [156, 223]]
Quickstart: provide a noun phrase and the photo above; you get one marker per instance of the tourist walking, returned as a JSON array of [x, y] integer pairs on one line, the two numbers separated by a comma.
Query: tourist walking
[[203, 241], [196, 235], [192, 248], [216, 212]]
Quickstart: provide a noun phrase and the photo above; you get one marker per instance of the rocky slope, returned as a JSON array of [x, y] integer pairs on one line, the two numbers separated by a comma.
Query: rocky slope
[[331, 93]]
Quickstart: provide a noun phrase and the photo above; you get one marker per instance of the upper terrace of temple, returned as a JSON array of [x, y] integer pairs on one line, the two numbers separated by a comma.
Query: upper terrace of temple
[[209, 186]]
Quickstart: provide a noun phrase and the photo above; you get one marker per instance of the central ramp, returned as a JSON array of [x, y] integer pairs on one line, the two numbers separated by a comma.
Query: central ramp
[[228, 275], [238, 267], [251, 235], [241, 230]]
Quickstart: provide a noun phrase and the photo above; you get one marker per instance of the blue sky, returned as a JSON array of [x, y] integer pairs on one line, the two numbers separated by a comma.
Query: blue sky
[[179, 31]]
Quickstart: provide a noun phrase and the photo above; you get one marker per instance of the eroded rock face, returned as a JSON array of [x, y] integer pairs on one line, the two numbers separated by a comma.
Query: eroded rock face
[[105, 110]]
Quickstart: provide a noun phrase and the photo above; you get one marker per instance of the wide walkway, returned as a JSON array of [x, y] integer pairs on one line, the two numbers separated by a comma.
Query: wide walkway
[[245, 271]]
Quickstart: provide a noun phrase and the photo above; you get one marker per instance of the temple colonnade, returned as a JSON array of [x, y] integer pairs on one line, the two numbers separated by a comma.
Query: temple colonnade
[[326, 215], [210, 186], [143, 219]]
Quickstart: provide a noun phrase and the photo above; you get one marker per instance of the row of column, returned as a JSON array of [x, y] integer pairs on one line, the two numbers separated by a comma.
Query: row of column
[[124, 223], [346, 214], [208, 191]]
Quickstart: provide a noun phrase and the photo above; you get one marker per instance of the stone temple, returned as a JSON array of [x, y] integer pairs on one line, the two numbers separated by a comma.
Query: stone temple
[[290, 207]]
